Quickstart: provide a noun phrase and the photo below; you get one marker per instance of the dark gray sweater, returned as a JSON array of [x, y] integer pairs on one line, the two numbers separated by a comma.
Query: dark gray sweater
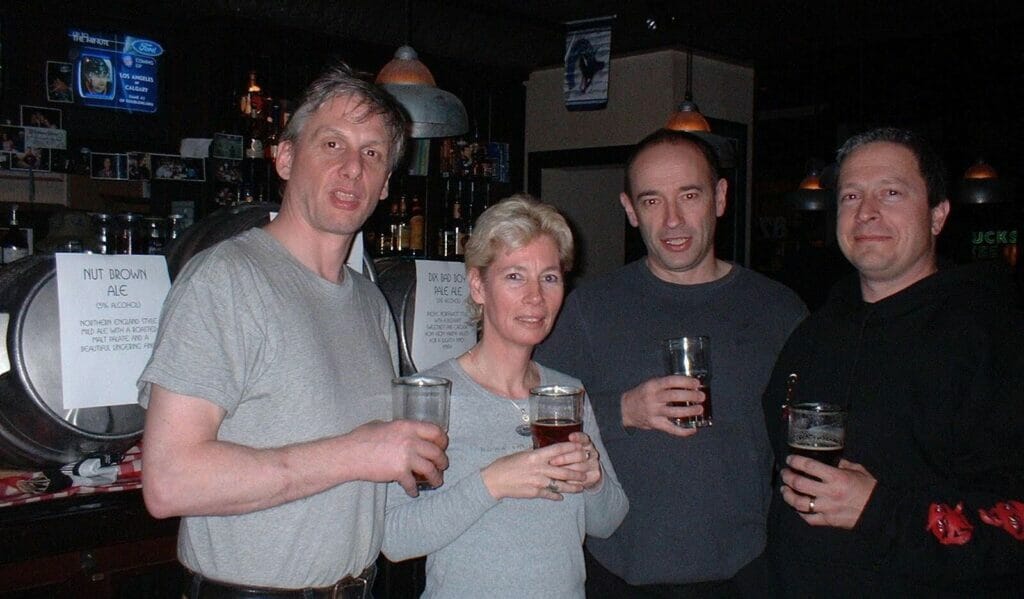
[[698, 505]]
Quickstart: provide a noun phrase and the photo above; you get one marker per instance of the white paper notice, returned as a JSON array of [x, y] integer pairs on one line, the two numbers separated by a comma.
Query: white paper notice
[[109, 312], [441, 327], [38, 137]]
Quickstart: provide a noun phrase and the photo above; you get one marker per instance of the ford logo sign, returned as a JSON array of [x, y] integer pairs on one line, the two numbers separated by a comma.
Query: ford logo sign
[[147, 48]]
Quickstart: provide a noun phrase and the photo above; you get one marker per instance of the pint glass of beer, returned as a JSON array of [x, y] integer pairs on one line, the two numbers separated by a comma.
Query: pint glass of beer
[[691, 356], [817, 431], [556, 411], [424, 398]]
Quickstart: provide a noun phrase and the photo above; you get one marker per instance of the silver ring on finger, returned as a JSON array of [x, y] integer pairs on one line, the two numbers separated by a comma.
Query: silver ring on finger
[[810, 506], [588, 454], [553, 486]]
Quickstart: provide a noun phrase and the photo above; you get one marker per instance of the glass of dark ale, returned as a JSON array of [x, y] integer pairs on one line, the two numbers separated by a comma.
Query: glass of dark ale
[[691, 356], [556, 411], [424, 398], [817, 431]]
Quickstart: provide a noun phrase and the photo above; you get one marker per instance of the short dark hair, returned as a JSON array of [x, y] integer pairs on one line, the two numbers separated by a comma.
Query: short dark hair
[[929, 163], [671, 136], [341, 80]]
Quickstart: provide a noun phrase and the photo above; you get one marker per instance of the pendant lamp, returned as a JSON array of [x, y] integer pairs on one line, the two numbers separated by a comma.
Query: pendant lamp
[[980, 185], [687, 116], [433, 112], [812, 194]]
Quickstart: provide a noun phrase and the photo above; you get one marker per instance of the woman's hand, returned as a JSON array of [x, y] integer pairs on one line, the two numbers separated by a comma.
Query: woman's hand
[[548, 472], [586, 460]]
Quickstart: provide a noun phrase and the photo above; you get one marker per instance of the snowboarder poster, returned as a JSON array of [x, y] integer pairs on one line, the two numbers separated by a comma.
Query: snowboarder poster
[[588, 63]]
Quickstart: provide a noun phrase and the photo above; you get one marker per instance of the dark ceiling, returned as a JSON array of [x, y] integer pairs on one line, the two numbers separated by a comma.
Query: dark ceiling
[[823, 68], [820, 65]]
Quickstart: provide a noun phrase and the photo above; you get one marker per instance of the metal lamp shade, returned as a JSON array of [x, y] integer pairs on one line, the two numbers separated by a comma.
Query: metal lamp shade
[[688, 118], [433, 111]]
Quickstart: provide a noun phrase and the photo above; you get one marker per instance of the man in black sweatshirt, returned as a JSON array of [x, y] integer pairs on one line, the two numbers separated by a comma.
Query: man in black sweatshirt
[[929, 498]]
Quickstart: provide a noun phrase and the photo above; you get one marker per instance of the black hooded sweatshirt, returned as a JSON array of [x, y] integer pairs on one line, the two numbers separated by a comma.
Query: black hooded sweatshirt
[[933, 378]]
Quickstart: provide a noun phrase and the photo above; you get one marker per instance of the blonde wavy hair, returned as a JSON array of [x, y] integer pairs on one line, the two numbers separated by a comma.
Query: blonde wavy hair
[[511, 224]]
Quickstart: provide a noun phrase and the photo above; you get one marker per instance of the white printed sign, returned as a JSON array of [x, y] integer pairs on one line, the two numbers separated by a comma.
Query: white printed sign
[[40, 137], [441, 327], [109, 312]]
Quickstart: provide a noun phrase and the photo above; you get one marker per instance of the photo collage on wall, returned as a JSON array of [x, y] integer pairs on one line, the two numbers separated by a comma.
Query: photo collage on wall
[[29, 146], [39, 143], [226, 164]]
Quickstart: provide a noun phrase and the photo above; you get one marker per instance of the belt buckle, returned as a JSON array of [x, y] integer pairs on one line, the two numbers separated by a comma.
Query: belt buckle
[[355, 582]]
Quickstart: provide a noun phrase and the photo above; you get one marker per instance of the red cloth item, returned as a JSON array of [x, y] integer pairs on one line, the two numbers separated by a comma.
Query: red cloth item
[[1008, 515], [18, 487], [949, 525]]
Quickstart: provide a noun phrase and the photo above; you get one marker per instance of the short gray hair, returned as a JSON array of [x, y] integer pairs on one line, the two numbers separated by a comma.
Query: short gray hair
[[511, 224], [341, 80]]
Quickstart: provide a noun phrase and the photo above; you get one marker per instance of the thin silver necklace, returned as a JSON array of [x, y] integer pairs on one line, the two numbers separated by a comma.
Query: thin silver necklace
[[524, 426]]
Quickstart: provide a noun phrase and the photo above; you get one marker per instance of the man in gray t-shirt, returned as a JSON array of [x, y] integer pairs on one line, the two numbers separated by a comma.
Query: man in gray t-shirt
[[268, 389], [698, 497]]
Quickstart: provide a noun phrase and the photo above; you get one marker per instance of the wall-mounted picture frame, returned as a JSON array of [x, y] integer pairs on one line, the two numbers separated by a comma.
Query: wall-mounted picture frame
[[226, 146], [36, 159], [140, 166], [173, 167], [41, 116], [109, 166], [59, 77], [12, 138]]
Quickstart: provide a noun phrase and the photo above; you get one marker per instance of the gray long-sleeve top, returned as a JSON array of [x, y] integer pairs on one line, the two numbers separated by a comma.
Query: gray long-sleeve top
[[478, 546]]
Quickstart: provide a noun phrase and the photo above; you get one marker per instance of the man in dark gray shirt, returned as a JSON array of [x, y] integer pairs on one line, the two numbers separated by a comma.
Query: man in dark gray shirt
[[699, 497]]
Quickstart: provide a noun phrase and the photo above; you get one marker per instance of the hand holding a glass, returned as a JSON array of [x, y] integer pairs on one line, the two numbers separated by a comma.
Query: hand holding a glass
[[677, 404], [425, 399], [563, 455], [818, 483]]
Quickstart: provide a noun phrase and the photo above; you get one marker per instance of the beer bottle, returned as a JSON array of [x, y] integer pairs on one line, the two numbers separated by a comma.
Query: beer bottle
[[14, 244], [462, 225], [416, 227], [444, 249], [402, 229], [386, 232]]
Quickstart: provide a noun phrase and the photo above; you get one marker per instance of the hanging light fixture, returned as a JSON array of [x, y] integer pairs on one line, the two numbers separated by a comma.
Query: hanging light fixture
[[433, 111], [687, 116], [980, 170], [980, 185], [811, 194]]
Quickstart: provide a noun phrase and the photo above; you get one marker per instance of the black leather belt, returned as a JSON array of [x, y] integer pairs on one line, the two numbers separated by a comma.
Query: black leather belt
[[358, 587]]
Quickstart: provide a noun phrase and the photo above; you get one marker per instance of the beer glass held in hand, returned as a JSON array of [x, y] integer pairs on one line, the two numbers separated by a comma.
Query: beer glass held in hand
[[556, 412], [424, 398], [691, 356], [817, 431]]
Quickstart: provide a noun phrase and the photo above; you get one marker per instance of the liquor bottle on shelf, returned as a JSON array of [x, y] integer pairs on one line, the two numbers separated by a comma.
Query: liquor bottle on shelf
[[272, 132], [155, 237], [14, 244], [383, 240], [401, 232], [251, 102], [394, 228], [445, 229], [416, 224]]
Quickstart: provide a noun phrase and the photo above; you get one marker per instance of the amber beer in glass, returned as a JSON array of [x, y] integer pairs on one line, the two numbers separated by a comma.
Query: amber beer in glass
[[424, 398], [556, 411], [817, 431]]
